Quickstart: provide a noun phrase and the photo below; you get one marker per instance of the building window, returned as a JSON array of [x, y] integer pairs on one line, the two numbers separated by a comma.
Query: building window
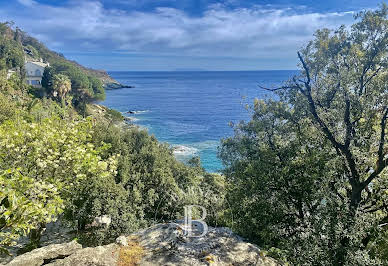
[[38, 73], [35, 82]]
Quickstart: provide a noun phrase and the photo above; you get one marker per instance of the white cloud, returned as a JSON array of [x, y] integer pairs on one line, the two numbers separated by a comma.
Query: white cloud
[[27, 2], [258, 32]]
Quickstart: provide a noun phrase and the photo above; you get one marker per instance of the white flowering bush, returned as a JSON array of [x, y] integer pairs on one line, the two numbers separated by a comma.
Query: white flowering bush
[[53, 152], [24, 204]]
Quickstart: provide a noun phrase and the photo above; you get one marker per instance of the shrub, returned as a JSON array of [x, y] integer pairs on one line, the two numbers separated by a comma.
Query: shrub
[[114, 115], [25, 203], [58, 153]]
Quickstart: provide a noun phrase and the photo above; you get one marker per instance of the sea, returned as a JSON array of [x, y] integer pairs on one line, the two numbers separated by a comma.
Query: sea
[[192, 110]]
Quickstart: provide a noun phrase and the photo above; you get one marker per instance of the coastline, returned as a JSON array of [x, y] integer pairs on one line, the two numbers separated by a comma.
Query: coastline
[[176, 113], [182, 152]]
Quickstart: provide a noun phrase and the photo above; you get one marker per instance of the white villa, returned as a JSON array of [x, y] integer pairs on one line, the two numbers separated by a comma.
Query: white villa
[[34, 73]]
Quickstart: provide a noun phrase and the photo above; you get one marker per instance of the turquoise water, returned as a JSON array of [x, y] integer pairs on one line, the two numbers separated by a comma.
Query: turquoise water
[[191, 109]]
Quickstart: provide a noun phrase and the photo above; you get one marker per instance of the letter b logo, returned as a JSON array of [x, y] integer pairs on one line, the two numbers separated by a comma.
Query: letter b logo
[[199, 225]]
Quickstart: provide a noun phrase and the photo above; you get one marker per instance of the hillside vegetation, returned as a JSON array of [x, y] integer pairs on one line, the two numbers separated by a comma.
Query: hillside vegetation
[[62, 157]]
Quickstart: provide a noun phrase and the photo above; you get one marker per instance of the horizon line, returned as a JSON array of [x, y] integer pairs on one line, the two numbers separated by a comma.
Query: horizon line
[[204, 70]]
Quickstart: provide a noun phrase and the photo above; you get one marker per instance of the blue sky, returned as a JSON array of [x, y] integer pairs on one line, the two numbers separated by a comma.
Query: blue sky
[[179, 34]]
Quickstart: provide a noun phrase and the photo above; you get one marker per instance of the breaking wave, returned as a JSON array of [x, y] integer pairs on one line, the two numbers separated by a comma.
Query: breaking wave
[[181, 150]]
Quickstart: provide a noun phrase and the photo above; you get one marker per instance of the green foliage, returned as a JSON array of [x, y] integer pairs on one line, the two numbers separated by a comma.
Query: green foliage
[[50, 149], [150, 185], [8, 109], [4, 28], [79, 80], [308, 172], [98, 88], [58, 153], [146, 170], [25, 203], [38, 47], [33, 51], [195, 162], [40, 109], [11, 54], [47, 80], [13, 90], [114, 115], [85, 88]]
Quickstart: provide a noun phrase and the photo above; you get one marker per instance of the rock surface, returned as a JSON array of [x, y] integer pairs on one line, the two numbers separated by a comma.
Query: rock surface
[[44, 255], [161, 244], [122, 241], [98, 256]]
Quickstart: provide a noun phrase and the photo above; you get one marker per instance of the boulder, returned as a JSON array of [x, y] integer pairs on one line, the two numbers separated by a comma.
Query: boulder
[[161, 244], [45, 255], [165, 244], [98, 256], [102, 221], [122, 241]]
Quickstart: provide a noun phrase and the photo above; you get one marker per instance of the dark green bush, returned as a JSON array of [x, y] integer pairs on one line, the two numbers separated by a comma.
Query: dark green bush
[[150, 185], [114, 115]]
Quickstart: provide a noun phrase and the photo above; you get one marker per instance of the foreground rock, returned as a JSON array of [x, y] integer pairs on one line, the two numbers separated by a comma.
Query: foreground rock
[[162, 244], [165, 245], [45, 255]]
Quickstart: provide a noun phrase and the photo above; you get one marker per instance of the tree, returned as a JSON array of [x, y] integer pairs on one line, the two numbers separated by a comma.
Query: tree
[[97, 87], [313, 163], [61, 85], [47, 79], [11, 54], [85, 88]]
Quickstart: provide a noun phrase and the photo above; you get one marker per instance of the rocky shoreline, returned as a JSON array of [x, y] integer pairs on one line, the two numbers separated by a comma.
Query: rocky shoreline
[[109, 82], [116, 85]]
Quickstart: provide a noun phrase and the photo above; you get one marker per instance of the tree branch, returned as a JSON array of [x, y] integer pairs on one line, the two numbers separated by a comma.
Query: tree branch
[[383, 123], [313, 108], [277, 89], [347, 123], [355, 177], [381, 163], [305, 67], [372, 76]]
